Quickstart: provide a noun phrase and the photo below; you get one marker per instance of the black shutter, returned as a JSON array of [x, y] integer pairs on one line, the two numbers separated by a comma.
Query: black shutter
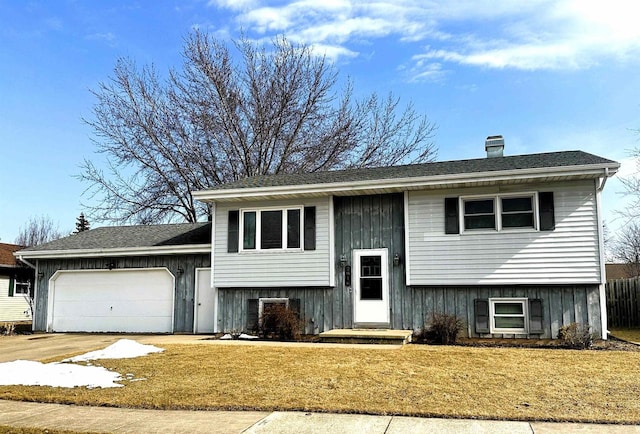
[[309, 227], [232, 234], [481, 311], [12, 282], [451, 219], [535, 316], [294, 306], [547, 214], [252, 315]]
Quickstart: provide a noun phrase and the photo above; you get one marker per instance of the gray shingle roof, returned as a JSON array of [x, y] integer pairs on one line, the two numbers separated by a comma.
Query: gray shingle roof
[[530, 161], [111, 237]]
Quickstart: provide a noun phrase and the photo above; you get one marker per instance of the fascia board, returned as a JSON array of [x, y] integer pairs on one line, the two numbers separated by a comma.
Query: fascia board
[[124, 251], [403, 183]]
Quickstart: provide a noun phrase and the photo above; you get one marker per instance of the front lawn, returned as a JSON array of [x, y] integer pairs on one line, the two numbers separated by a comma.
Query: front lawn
[[627, 334], [449, 381]]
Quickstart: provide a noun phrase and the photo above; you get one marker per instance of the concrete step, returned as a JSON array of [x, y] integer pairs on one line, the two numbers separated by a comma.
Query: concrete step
[[366, 336]]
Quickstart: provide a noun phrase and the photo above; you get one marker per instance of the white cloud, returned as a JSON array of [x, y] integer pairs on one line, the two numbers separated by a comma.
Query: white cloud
[[237, 5], [532, 35]]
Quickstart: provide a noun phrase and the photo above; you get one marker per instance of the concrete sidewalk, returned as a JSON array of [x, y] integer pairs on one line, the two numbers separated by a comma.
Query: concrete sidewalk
[[116, 420]]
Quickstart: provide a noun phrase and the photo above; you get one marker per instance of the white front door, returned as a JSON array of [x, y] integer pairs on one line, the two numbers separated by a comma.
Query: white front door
[[371, 287], [206, 305]]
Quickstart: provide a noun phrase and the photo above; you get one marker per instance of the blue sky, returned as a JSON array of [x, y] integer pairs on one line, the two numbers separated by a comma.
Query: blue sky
[[547, 75]]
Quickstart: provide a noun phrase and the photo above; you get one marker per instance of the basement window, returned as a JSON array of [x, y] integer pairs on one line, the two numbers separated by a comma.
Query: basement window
[[508, 315], [265, 304]]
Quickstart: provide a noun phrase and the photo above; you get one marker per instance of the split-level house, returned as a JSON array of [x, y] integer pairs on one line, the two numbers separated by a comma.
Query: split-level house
[[512, 245]]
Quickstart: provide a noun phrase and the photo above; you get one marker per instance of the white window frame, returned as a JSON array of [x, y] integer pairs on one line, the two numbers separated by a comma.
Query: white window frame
[[20, 286], [497, 210], [525, 314], [267, 300], [285, 217]]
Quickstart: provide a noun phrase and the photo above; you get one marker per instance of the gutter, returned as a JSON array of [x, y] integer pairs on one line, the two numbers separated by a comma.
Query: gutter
[[120, 251], [328, 188], [21, 259]]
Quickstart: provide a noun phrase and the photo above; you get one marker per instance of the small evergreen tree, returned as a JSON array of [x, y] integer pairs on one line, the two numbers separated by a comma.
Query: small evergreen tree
[[82, 224]]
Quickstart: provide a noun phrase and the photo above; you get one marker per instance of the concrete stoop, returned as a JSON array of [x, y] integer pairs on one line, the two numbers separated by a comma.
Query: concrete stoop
[[366, 336]]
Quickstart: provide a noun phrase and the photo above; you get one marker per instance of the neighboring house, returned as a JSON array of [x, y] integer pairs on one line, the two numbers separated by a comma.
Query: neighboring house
[[512, 245], [15, 286], [620, 271]]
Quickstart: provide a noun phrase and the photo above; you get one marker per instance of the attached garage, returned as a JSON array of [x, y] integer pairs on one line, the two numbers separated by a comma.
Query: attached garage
[[123, 300], [125, 279]]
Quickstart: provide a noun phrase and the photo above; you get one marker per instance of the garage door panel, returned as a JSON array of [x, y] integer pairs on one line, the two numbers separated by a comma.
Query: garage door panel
[[114, 301], [113, 324], [83, 309]]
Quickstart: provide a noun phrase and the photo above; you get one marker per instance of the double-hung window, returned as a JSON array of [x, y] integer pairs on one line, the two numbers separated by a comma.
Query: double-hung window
[[22, 287], [517, 212], [499, 212], [479, 214], [508, 315], [271, 229]]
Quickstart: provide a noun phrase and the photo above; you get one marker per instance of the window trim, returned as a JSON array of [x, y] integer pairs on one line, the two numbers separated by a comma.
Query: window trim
[[525, 314], [284, 210], [497, 210], [19, 284]]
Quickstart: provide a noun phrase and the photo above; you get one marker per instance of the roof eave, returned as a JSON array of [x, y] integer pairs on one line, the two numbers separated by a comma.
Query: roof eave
[[595, 170], [118, 251]]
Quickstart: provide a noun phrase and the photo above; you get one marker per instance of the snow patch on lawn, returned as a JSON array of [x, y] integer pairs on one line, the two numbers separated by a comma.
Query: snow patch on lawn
[[123, 349], [30, 373]]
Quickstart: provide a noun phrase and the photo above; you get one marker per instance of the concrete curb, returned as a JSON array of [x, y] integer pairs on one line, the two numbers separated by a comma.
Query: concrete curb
[[124, 420]]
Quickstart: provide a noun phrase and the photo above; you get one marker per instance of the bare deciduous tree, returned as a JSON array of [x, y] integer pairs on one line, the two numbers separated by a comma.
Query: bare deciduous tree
[[38, 230], [626, 248], [217, 120]]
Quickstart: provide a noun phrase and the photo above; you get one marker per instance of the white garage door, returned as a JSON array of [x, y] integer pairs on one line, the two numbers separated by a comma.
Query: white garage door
[[139, 300]]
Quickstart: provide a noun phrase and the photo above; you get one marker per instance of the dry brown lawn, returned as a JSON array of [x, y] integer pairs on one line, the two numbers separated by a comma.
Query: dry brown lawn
[[449, 381], [630, 335]]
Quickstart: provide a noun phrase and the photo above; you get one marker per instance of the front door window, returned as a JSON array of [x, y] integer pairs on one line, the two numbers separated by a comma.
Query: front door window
[[371, 277]]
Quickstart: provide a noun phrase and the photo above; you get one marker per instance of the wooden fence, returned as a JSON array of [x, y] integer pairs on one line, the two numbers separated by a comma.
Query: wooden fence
[[623, 302]]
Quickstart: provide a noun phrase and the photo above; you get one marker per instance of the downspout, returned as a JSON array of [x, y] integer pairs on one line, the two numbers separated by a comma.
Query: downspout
[[603, 274], [35, 290]]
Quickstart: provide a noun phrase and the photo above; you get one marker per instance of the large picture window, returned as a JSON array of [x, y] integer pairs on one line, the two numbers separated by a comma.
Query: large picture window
[[500, 212], [271, 229]]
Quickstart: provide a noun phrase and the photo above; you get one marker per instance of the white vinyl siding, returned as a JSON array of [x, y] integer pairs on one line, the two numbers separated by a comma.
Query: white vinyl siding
[[568, 254], [272, 268], [14, 308]]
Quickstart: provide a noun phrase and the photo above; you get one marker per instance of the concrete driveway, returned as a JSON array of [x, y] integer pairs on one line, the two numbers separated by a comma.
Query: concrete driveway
[[47, 345]]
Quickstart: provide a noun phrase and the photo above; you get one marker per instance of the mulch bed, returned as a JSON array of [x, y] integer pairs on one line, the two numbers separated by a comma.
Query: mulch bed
[[612, 344]]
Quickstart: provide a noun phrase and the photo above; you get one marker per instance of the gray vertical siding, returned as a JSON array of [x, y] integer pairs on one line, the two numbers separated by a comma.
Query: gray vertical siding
[[315, 306], [184, 291], [562, 305], [369, 222]]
